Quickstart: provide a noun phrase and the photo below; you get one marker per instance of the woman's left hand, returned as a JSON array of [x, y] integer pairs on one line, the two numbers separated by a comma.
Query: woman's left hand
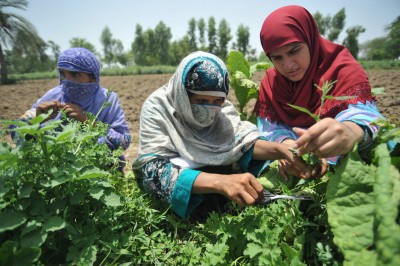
[[316, 171], [328, 138], [74, 111]]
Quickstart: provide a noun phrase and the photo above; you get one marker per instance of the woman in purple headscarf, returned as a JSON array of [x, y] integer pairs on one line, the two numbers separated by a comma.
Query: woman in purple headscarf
[[80, 93]]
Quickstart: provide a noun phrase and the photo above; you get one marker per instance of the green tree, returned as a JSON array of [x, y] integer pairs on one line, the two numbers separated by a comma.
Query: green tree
[[243, 39], [162, 38], [27, 59], [178, 50], [151, 58], [113, 49], [138, 46], [191, 33], [224, 37], [330, 27], [337, 25], [393, 44], [351, 41], [212, 35], [107, 42], [375, 49], [323, 23], [16, 29], [55, 50], [201, 26], [82, 42]]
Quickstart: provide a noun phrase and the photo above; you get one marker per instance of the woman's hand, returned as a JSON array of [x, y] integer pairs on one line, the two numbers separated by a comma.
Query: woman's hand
[[328, 138], [244, 189], [74, 111], [286, 169], [45, 107]]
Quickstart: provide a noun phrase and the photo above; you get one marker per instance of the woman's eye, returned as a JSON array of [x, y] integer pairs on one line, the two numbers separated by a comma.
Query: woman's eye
[[276, 58], [294, 51]]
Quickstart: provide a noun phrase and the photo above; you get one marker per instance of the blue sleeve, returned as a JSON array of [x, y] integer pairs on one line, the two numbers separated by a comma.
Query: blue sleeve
[[362, 115], [274, 131], [117, 139], [183, 202], [255, 167]]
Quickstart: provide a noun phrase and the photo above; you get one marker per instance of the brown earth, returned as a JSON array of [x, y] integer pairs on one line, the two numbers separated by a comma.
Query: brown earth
[[133, 90]]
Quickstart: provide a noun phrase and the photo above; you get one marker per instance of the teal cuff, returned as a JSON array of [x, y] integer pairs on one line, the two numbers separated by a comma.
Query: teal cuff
[[182, 200], [247, 164]]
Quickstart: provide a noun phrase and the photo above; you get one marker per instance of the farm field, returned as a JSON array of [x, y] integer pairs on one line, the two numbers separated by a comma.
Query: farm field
[[133, 90], [62, 204]]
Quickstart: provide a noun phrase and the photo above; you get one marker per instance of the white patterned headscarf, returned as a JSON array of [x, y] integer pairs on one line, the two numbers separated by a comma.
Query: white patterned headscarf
[[169, 129]]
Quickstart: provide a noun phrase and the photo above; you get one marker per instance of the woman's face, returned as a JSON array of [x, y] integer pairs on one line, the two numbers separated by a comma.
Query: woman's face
[[291, 60], [206, 99], [80, 77]]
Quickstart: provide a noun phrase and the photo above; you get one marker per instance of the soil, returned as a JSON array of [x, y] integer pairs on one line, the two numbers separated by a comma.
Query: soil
[[133, 90]]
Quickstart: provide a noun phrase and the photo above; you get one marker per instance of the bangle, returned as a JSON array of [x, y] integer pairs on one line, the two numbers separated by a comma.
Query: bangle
[[365, 137]]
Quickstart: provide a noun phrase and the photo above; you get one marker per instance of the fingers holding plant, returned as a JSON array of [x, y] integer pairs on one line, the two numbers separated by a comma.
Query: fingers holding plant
[[74, 111]]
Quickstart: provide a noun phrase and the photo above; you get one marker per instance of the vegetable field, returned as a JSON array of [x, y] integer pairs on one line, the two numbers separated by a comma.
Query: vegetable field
[[62, 201]]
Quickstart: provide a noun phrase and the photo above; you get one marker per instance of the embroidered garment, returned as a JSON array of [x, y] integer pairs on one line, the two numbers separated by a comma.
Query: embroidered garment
[[329, 62]]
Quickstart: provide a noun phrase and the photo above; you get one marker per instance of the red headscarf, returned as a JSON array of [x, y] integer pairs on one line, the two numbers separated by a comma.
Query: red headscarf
[[329, 62]]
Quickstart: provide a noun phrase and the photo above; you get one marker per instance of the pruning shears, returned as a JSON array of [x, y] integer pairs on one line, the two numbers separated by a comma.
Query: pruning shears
[[269, 197]]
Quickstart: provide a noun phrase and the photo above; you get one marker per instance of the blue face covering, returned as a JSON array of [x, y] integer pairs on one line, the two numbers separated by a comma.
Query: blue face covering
[[78, 91]]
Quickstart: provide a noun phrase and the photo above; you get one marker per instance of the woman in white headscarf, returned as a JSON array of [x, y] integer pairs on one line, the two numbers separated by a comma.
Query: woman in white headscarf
[[188, 125]]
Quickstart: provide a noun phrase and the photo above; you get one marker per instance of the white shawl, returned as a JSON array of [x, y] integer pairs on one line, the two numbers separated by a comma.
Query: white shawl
[[168, 129]]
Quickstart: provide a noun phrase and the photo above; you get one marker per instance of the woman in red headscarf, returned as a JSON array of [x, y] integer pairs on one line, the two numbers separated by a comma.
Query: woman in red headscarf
[[303, 60]]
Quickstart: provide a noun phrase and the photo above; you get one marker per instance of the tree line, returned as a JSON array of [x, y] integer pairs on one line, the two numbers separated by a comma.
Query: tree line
[[22, 50]]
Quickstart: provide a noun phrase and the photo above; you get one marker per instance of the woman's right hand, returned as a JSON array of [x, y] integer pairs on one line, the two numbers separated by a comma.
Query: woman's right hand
[[244, 188]]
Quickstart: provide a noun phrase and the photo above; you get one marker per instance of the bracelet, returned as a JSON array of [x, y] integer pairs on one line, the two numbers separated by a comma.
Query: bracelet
[[365, 137]]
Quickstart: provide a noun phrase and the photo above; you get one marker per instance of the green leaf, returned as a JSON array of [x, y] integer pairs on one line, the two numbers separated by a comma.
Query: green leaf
[[351, 205], [377, 91], [93, 173], [96, 192], [237, 62], [304, 110], [111, 200], [27, 256], [55, 223], [339, 98], [33, 239], [386, 211], [10, 220], [261, 66]]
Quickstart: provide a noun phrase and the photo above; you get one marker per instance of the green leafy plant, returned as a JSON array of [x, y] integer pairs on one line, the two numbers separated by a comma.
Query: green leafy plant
[[240, 74]]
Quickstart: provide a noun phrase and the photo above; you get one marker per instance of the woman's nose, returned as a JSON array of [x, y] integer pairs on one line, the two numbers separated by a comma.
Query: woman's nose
[[287, 63]]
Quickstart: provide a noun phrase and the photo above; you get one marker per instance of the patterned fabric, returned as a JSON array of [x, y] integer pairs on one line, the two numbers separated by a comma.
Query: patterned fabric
[[329, 62], [159, 177], [200, 75], [92, 98], [79, 60], [168, 127]]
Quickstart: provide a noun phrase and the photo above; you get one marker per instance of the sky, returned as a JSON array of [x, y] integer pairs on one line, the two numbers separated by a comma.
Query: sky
[[60, 21]]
